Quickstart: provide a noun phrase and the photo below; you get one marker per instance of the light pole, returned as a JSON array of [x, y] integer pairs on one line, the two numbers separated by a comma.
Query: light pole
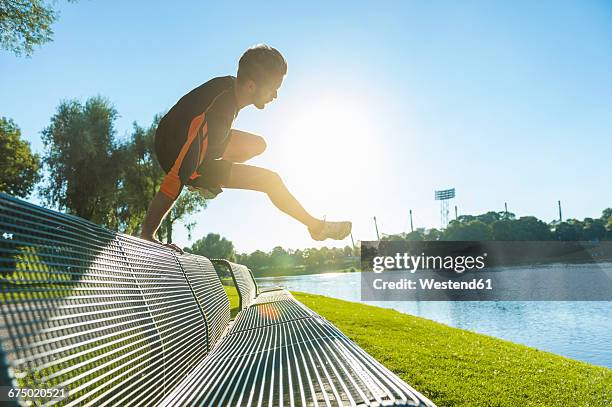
[[411, 226], [376, 226]]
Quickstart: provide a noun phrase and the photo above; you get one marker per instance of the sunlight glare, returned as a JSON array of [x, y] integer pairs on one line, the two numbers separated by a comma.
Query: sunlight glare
[[333, 146]]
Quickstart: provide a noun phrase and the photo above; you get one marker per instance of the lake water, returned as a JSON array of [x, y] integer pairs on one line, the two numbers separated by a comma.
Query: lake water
[[578, 330]]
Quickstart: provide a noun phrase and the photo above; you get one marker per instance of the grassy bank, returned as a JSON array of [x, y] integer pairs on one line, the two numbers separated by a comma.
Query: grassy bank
[[454, 367]]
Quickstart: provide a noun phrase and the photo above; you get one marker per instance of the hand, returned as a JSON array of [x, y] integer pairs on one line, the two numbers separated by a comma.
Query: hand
[[174, 247], [169, 245]]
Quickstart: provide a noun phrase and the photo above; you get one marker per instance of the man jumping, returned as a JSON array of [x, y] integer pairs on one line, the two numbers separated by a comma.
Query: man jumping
[[197, 147]]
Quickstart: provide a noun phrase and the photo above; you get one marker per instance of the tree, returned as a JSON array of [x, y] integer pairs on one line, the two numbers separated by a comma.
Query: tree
[[432, 234], [25, 23], [83, 160], [18, 166], [490, 217], [279, 257], [527, 228], [213, 246], [399, 236], [465, 218], [415, 236], [313, 258], [297, 257], [593, 229], [606, 216], [472, 230], [568, 231], [257, 260]]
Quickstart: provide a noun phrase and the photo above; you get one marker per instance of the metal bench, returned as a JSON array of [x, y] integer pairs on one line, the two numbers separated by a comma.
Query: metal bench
[[115, 320]]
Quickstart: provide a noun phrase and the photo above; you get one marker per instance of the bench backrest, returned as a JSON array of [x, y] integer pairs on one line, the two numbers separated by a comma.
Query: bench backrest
[[243, 280], [209, 293], [109, 317]]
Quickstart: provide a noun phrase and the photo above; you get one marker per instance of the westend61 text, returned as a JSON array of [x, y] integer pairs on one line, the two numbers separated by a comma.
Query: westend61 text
[[431, 284], [405, 261]]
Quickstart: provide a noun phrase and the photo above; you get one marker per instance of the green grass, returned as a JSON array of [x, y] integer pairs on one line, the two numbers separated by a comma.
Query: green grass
[[454, 367], [234, 299]]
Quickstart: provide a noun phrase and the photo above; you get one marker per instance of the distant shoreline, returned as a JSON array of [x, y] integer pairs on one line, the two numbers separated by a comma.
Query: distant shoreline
[[288, 272]]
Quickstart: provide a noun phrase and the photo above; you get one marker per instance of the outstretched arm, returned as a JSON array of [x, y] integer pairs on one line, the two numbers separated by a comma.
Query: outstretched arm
[[158, 209]]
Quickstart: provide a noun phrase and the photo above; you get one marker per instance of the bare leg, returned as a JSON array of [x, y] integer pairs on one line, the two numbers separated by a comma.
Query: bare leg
[[253, 178], [243, 146]]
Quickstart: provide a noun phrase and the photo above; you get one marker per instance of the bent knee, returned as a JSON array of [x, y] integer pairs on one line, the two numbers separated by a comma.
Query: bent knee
[[272, 181], [259, 145]]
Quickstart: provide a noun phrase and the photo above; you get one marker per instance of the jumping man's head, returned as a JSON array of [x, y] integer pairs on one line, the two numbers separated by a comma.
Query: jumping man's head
[[260, 73]]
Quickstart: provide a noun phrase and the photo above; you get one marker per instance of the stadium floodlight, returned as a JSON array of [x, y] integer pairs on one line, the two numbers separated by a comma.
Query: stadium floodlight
[[444, 196]]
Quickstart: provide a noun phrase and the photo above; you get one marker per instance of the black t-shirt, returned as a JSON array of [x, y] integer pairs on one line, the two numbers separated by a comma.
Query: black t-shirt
[[195, 130]]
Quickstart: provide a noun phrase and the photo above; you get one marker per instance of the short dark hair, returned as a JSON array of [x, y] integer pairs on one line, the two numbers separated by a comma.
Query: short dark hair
[[260, 63]]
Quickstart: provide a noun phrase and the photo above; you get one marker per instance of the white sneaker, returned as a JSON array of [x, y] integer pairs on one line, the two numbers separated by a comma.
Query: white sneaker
[[332, 230]]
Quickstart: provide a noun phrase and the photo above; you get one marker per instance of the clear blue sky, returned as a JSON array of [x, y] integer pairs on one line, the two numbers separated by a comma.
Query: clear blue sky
[[383, 103]]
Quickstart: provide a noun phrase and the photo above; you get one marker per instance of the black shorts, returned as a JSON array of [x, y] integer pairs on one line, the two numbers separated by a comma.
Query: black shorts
[[212, 173]]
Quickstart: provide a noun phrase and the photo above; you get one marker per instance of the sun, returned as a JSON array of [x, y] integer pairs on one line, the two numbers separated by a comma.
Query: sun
[[332, 145]]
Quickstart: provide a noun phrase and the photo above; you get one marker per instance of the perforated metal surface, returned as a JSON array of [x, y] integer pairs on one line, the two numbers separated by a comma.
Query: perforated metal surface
[[261, 290], [279, 353], [178, 317], [306, 362], [111, 320], [273, 296], [270, 313]]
